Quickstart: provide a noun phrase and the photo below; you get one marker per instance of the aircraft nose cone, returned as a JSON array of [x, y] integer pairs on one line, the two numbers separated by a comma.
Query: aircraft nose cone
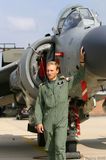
[[94, 44]]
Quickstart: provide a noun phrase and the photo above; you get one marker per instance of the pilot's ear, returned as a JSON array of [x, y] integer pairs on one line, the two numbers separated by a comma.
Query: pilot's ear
[[58, 71]]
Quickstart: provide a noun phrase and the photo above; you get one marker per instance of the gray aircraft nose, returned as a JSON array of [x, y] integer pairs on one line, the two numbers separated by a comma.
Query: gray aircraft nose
[[94, 44]]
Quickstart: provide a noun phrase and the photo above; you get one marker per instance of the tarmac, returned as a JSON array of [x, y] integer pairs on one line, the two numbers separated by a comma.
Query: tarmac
[[16, 143]]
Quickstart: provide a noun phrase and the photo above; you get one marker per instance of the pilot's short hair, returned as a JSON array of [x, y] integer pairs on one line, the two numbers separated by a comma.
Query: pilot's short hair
[[54, 63]]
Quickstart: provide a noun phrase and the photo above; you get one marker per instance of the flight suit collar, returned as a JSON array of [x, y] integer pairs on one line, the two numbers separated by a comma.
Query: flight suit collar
[[56, 83]]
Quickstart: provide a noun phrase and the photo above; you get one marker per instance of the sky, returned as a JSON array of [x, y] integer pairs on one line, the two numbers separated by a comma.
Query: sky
[[25, 21]]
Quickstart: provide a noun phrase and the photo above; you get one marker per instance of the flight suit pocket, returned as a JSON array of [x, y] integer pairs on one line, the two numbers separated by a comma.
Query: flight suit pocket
[[63, 95], [49, 99]]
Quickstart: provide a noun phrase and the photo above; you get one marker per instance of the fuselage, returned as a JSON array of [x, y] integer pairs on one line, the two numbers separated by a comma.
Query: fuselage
[[71, 39]]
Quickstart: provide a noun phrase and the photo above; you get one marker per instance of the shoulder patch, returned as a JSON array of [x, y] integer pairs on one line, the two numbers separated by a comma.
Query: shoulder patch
[[62, 77], [68, 79], [65, 78], [41, 84]]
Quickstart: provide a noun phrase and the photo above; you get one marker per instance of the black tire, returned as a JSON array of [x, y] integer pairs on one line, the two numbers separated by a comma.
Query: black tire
[[71, 146], [41, 140], [73, 155]]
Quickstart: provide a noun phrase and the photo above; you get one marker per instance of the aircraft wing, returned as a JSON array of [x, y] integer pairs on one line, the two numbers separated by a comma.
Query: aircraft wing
[[5, 76]]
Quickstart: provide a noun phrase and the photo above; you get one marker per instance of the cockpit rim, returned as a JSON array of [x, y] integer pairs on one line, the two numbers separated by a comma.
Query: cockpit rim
[[62, 17]]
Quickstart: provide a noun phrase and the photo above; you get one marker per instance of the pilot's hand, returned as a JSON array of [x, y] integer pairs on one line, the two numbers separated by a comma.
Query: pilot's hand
[[39, 128]]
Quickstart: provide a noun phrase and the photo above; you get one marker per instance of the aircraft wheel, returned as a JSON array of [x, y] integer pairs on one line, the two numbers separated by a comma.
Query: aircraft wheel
[[71, 150], [73, 155], [18, 117], [41, 140], [71, 146]]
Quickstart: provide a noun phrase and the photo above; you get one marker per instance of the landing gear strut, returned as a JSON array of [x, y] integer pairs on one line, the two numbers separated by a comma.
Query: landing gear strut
[[73, 132]]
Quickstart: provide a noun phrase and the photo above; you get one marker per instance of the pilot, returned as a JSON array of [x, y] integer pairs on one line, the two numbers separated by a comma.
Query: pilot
[[51, 111]]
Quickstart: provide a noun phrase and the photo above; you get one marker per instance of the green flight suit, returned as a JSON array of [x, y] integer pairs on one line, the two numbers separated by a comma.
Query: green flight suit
[[51, 110]]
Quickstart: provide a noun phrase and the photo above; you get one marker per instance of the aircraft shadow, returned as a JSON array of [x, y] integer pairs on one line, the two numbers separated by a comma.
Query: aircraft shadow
[[99, 143], [14, 147]]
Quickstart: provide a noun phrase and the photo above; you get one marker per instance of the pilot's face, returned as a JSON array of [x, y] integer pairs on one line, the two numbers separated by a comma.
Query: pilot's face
[[52, 72]]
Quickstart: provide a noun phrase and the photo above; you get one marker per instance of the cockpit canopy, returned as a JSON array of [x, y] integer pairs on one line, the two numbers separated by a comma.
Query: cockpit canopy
[[72, 17]]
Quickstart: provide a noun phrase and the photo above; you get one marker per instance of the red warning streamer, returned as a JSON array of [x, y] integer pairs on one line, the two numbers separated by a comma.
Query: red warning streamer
[[84, 90]]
